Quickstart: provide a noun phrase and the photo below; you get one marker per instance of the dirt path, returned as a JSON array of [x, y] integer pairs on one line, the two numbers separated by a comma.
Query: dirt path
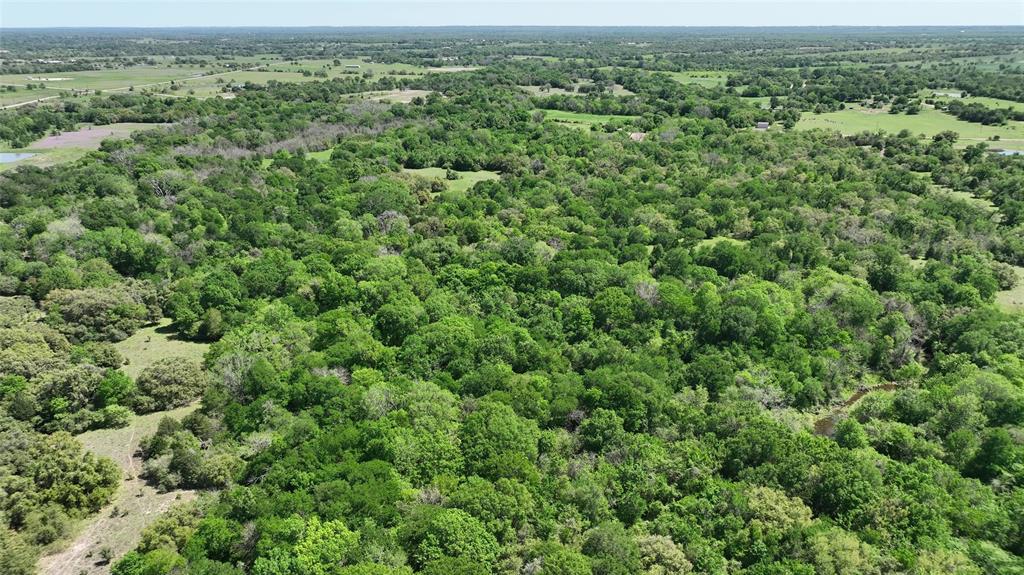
[[119, 525]]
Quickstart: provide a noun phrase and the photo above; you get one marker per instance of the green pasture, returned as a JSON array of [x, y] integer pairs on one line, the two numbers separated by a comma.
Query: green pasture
[[705, 78], [150, 344], [466, 179], [582, 118], [855, 119]]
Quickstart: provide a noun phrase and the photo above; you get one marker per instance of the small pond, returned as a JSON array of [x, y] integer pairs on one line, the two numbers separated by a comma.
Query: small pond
[[8, 157]]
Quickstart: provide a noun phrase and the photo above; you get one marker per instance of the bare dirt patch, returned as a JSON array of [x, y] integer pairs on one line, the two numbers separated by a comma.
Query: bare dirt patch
[[90, 136]]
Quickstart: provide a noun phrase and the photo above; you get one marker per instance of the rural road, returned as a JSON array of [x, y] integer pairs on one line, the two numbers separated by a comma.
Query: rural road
[[19, 104]]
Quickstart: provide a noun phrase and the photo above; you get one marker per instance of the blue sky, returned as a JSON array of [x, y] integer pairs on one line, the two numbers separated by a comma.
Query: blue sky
[[165, 13]]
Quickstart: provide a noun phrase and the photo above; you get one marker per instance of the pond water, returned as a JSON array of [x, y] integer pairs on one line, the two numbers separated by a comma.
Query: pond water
[[8, 157]]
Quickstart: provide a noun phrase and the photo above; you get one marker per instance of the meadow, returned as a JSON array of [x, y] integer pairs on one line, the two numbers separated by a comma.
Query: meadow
[[990, 102], [201, 81], [150, 344], [856, 118], [705, 78], [582, 119], [466, 179], [1013, 298]]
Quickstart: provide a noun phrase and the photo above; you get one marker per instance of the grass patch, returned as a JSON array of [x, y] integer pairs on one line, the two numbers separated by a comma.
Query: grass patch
[[968, 197], [143, 348], [705, 78], [466, 179], [21, 94], [119, 78], [710, 242], [394, 96], [136, 505], [45, 157], [581, 118], [1013, 299], [943, 96], [855, 119]]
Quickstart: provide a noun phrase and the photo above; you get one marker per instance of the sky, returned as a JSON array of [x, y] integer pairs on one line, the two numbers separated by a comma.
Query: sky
[[175, 13]]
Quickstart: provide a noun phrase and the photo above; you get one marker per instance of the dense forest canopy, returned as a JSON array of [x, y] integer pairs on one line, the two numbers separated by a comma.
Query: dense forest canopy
[[557, 312]]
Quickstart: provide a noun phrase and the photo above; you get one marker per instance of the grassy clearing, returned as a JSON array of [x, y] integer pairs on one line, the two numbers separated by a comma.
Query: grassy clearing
[[119, 525], [1013, 299], [581, 118], [90, 137], [20, 95], [107, 79], [968, 197], [155, 342], [705, 78], [855, 119], [944, 95], [710, 242], [466, 179], [44, 157]]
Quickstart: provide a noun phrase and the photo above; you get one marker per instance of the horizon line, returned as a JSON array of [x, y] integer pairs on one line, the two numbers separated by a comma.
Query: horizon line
[[577, 26]]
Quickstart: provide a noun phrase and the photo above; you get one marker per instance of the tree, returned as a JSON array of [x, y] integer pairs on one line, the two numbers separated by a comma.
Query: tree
[[433, 534], [168, 383], [496, 442], [611, 550], [325, 547]]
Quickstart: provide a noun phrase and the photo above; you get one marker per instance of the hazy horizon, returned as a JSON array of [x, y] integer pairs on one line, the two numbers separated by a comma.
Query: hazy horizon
[[522, 13]]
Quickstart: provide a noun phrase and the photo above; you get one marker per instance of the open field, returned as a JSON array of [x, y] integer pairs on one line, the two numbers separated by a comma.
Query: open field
[[70, 146], [855, 119], [120, 78], [706, 78], [986, 101], [1013, 299], [581, 118], [119, 525], [204, 81], [21, 94], [42, 158], [155, 342], [466, 179]]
